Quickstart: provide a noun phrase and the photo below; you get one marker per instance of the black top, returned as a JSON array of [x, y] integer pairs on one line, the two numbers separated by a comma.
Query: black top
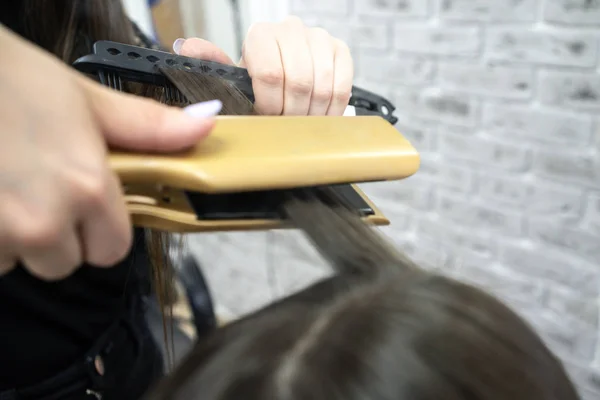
[[46, 326]]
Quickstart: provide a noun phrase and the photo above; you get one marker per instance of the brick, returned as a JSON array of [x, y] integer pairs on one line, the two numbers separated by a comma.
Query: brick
[[503, 283], [552, 266], [591, 221], [487, 80], [330, 7], [469, 213], [543, 125], [454, 41], [392, 8], [393, 68], [487, 11], [445, 174], [542, 46], [568, 166], [564, 339], [536, 197], [572, 306], [436, 105], [422, 135], [371, 35], [336, 28], [580, 91], [555, 201], [573, 12], [456, 237], [413, 192], [573, 240], [503, 189], [484, 151]]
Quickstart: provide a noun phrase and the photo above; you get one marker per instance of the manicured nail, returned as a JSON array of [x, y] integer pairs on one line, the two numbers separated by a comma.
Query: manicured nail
[[177, 44], [204, 109]]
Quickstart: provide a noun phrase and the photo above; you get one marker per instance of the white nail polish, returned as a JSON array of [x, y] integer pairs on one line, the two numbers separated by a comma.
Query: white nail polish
[[350, 111], [177, 44], [204, 109]]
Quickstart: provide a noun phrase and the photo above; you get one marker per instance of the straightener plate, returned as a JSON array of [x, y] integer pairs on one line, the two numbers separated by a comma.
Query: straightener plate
[[267, 204], [175, 211]]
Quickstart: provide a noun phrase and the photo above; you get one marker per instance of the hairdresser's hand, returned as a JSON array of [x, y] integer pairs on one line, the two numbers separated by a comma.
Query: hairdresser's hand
[[60, 204], [295, 70]]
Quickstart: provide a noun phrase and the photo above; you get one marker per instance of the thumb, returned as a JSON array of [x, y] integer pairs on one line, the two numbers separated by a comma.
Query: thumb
[[141, 124], [201, 49]]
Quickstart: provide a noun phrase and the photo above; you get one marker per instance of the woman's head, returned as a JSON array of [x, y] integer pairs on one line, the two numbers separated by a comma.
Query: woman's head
[[381, 328]]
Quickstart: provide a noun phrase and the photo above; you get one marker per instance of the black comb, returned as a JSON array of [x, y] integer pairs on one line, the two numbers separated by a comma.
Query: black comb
[[114, 63]]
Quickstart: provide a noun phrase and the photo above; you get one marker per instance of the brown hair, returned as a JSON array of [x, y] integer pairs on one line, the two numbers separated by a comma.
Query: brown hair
[[380, 328]]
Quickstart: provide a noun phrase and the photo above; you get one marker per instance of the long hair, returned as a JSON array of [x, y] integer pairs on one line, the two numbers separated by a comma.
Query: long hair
[[381, 328]]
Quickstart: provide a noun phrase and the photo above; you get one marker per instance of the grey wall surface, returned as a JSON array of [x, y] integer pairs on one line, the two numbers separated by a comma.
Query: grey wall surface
[[502, 99]]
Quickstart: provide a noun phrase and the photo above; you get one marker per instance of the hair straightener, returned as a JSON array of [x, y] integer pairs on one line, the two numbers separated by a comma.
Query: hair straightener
[[238, 178]]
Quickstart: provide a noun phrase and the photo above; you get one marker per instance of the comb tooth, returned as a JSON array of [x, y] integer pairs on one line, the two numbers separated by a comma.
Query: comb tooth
[[167, 94], [119, 83], [109, 82], [179, 96], [113, 80], [102, 78], [175, 95]]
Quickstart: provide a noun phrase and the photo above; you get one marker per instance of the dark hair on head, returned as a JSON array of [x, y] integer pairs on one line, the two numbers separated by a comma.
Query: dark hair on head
[[380, 328]]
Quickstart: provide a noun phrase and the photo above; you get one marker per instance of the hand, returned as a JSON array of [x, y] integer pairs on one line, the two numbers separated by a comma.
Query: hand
[[295, 70], [60, 204]]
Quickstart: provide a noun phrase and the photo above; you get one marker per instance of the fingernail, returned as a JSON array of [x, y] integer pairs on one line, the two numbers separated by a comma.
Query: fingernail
[[204, 109], [177, 45]]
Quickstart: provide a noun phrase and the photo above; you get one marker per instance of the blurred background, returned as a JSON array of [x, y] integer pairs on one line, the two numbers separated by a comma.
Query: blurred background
[[502, 99]]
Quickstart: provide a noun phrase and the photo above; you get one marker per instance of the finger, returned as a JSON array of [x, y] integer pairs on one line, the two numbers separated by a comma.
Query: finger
[[323, 53], [343, 77], [7, 256], [40, 233], [105, 224], [8, 260], [262, 58], [7, 264], [297, 66], [201, 49], [55, 259], [136, 123]]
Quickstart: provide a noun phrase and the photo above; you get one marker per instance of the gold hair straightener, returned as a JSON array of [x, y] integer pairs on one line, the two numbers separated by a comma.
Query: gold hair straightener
[[238, 178]]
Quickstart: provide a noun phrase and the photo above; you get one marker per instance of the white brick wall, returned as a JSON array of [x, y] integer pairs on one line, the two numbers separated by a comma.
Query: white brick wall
[[502, 98]]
